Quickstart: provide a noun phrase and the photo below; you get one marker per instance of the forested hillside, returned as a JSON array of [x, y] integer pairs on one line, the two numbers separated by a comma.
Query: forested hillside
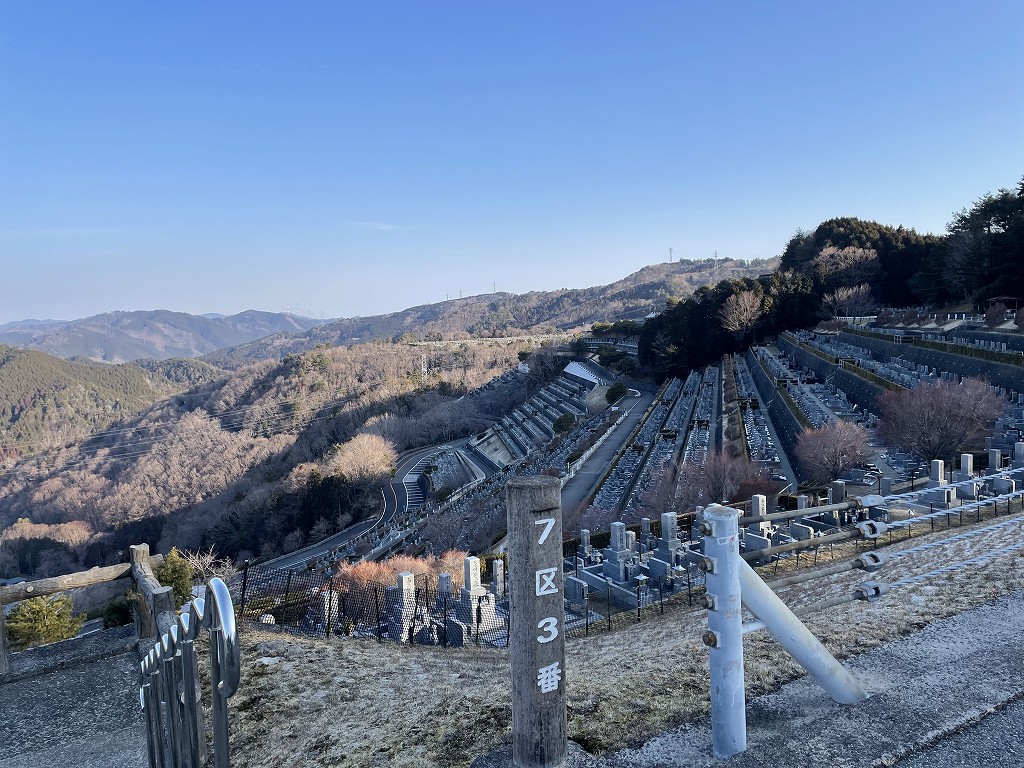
[[256, 463], [848, 267], [506, 314], [47, 402]]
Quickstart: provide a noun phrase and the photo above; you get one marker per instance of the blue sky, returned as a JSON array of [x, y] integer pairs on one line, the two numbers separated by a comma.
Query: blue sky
[[357, 158]]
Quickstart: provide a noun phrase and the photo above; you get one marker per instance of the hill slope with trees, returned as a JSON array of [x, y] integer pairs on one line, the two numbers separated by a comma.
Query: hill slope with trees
[[118, 337], [847, 266], [258, 462], [506, 314], [47, 402]]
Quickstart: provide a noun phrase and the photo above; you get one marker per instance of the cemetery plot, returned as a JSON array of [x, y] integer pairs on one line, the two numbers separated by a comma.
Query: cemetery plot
[[614, 491], [666, 444]]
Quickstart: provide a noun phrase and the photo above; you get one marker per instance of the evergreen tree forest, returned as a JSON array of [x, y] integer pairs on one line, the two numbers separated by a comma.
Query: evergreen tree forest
[[852, 266]]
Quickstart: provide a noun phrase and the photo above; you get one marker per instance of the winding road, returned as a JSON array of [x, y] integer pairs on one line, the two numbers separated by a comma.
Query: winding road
[[394, 501]]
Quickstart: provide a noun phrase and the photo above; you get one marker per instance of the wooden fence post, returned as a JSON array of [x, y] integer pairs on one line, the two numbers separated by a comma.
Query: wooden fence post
[[158, 601], [4, 662], [145, 626]]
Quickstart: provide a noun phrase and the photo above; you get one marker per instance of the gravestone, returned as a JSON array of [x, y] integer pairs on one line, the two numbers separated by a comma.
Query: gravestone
[[660, 572], [401, 606], [498, 578], [576, 590], [759, 508], [444, 592], [753, 542], [476, 605], [585, 549], [966, 471], [995, 459], [617, 554], [1003, 485], [836, 492], [645, 534], [669, 542], [800, 532]]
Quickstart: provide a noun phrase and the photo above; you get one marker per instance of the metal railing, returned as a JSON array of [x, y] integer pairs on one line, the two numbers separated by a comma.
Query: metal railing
[[168, 683]]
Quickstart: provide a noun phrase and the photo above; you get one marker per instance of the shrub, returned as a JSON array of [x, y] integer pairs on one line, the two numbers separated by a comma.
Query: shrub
[[564, 423], [42, 620], [615, 392], [117, 613], [176, 572]]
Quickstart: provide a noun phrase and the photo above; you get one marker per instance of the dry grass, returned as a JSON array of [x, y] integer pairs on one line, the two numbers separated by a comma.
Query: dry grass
[[355, 702]]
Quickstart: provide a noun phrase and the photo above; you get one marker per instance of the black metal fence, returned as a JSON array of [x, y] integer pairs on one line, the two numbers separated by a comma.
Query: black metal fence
[[424, 612]]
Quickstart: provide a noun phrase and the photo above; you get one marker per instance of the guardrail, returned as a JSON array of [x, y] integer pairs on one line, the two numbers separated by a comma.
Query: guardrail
[[168, 683]]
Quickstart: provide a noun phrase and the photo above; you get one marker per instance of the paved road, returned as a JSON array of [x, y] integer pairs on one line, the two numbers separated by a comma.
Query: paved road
[[87, 715], [994, 742], [579, 487], [395, 502]]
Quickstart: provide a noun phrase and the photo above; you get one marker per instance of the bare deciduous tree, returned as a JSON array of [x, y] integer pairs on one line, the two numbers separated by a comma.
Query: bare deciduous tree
[[718, 479], [849, 301], [363, 460], [826, 453], [848, 266], [207, 563], [740, 312], [995, 314], [941, 419]]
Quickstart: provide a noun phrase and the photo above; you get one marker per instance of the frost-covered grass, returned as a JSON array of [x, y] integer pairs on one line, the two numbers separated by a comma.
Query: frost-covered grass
[[308, 702]]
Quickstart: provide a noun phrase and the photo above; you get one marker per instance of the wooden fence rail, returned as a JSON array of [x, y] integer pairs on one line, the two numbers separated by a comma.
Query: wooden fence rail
[[140, 570]]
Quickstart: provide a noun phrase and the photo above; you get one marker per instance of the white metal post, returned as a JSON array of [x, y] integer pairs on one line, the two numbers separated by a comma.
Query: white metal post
[[725, 630]]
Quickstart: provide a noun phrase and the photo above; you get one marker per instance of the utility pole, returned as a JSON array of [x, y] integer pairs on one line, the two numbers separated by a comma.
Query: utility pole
[[669, 255]]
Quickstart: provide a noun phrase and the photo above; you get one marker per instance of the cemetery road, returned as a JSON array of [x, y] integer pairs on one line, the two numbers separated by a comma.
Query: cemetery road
[[582, 484]]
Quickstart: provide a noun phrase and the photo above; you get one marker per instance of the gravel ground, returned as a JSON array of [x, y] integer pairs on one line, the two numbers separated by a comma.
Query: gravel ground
[[311, 702], [994, 742]]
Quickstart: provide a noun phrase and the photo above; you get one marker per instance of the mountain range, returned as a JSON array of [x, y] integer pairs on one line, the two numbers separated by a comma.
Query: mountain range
[[119, 337], [234, 340], [509, 314]]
